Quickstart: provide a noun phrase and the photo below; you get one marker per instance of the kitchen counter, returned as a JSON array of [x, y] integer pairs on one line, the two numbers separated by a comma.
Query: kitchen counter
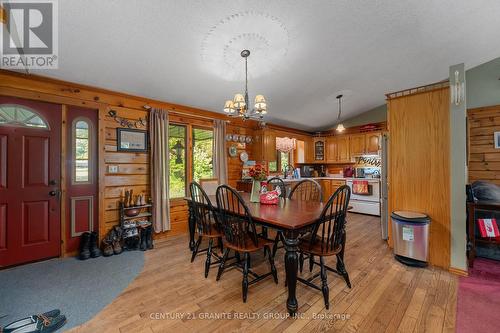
[[372, 180]]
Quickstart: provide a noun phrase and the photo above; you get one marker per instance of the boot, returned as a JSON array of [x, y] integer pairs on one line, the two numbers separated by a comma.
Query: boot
[[84, 246], [144, 241], [107, 247], [94, 249], [149, 239], [117, 246]]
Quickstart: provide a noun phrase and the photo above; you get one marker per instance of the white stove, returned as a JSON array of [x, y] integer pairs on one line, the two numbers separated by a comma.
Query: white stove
[[366, 203]]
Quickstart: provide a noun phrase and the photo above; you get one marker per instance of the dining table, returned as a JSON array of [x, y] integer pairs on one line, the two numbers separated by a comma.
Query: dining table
[[290, 216]]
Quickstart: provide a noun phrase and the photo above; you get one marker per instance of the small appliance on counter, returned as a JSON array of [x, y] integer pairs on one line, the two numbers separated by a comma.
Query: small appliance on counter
[[359, 172], [348, 172]]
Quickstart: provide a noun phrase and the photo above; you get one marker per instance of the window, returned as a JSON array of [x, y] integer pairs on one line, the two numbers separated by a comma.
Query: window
[[81, 151], [203, 153], [18, 115], [283, 160], [177, 156]]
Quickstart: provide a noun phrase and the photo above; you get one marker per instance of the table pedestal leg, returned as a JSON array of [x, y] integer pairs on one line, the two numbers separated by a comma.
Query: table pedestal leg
[[191, 225], [291, 267]]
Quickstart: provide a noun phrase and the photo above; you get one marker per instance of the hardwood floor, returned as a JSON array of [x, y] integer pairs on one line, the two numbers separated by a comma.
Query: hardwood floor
[[386, 296]]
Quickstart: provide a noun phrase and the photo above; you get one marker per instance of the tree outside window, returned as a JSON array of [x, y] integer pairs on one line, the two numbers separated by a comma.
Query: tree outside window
[[177, 156], [203, 153]]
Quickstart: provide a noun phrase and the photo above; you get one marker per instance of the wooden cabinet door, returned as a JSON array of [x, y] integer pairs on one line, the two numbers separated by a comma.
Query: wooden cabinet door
[[372, 142], [357, 144], [326, 188], [270, 154], [319, 149], [343, 154], [309, 151], [331, 150]]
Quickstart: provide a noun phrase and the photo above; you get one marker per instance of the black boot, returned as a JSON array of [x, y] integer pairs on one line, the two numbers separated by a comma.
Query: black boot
[[94, 249], [144, 242], [84, 246], [149, 239]]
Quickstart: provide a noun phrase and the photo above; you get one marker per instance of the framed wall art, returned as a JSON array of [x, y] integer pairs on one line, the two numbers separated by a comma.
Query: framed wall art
[[132, 140]]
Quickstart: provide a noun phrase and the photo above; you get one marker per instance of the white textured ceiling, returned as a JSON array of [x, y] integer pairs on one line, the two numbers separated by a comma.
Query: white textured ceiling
[[303, 52]]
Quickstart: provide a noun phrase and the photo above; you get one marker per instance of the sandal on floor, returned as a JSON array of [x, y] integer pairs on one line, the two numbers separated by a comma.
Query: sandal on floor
[[41, 323]]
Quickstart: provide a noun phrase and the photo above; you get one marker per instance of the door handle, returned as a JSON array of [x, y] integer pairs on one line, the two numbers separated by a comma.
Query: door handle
[[54, 193]]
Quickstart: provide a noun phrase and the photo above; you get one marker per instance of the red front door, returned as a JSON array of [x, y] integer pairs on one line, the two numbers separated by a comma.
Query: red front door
[[30, 141]]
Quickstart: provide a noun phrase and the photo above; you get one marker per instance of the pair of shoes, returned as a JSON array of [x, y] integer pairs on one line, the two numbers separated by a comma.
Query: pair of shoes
[[88, 246], [46, 322], [147, 238], [111, 244]]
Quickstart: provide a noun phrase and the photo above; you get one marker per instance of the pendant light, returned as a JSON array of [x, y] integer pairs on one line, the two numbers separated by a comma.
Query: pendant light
[[340, 127]]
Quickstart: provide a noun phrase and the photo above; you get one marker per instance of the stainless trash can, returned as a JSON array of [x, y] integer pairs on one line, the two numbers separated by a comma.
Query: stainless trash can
[[410, 232]]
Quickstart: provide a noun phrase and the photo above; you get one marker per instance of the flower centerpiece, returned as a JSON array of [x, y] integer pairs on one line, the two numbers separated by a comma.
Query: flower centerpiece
[[259, 175]]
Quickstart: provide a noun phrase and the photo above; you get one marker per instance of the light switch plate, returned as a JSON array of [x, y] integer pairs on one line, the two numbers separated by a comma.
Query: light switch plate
[[113, 169]]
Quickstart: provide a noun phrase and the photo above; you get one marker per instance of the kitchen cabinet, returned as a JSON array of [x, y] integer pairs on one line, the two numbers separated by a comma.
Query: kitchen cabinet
[[309, 150], [329, 186], [343, 151], [372, 142], [265, 145], [331, 150], [357, 144], [319, 149], [325, 188]]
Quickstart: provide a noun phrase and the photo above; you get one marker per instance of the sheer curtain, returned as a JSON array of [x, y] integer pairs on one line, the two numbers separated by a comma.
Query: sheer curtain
[[220, 161], [159, 168]]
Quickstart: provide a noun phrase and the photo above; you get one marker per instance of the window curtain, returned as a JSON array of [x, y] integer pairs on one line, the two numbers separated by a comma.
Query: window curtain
[[220, 164], [159, 168]]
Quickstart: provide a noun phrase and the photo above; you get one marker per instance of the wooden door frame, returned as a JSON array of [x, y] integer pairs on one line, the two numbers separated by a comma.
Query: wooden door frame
[[102, 110]]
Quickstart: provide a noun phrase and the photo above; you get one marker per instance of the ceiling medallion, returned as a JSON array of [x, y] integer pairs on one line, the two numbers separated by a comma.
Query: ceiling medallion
[[266, 35], [239, 106]]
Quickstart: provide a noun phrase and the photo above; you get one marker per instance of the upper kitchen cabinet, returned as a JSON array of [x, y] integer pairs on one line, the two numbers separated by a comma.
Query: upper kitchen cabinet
[[343, 151], [308, 150], [357, 144], [331, 150], [319, 149], [265, 145], [372, 143]]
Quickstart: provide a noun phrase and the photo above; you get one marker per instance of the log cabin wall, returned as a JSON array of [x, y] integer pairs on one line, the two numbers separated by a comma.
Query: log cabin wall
[[419, 164], [133, 168], [483, 158]]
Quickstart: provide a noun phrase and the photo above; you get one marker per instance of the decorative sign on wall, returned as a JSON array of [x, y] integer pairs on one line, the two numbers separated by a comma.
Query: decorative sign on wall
[[497, 140], [132, 140], [127, 123]]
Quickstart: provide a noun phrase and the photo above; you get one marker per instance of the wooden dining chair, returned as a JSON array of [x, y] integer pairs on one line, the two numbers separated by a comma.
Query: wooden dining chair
[[273, 184], [326, 240], [207, 225], [306, 190], [276, 182], [240, 236], [209, 185]]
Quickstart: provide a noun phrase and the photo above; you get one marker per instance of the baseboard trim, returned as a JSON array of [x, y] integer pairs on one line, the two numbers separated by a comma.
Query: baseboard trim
[[458, 271]]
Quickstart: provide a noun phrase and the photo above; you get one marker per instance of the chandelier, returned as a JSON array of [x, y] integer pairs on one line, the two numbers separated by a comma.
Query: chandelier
[[239, 106]]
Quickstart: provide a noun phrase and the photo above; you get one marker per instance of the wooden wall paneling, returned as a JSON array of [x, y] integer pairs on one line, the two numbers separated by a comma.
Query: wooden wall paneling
[[419, 164], [483, 158], [133, 168], [101, 153]]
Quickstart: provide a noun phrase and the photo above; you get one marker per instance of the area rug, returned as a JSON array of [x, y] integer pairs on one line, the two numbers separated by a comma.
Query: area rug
[[79, 288], [478, 303]]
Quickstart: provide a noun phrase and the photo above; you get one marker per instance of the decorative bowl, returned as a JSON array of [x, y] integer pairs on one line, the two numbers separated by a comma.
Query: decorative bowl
[[132, 212]]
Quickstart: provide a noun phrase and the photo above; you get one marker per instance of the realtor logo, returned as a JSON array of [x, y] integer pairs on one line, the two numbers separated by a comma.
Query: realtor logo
[[29, 34]]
